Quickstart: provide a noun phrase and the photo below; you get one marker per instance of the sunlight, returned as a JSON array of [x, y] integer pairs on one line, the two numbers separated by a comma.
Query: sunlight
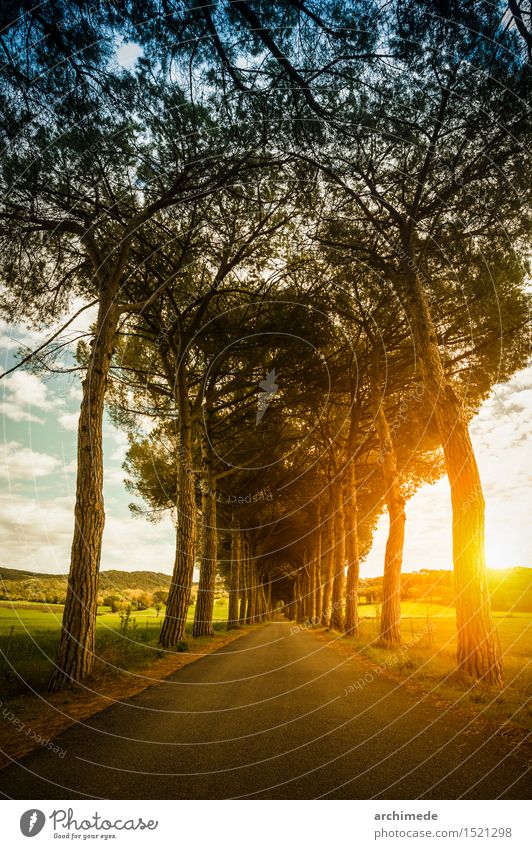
[[502, 549]]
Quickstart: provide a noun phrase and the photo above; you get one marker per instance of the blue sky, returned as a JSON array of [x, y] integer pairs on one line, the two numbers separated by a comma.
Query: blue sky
[[37, 472]]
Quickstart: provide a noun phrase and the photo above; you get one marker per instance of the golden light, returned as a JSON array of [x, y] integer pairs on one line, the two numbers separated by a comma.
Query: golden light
[[502, 548]]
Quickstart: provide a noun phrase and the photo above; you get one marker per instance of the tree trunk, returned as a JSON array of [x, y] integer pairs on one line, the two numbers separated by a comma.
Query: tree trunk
[[307, 588], [175, 620], [243, 582], [262, 602], [258, 602], [300, 599], [75, 655], [252, 588], [317, 566], [291, 606], [478, 652], [353, 560], [209, 559], [234, 577], [311, 572], [390, 625], [338, 594], [269, 610], [329, 566]]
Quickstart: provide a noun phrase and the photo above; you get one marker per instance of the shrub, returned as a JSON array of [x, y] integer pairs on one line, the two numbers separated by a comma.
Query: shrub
[[113, 601], [143, 601]]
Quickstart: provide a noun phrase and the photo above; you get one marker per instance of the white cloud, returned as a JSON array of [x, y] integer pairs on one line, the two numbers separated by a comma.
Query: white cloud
[[70, 468], [18, 414], [121, 444], [116, 476], [23, 393], [69, 421], [136, 544], [83, 322], [15, 336], [18, 463], [37, 534], [75, 393]]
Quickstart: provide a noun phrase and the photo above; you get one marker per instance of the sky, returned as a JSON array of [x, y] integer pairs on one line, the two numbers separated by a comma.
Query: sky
[[38, 465]]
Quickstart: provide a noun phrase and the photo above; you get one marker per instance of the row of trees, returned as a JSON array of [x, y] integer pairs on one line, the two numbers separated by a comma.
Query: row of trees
[[329, 198]]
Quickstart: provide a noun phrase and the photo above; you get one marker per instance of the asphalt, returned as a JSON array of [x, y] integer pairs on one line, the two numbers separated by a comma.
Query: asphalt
[[276, 714]]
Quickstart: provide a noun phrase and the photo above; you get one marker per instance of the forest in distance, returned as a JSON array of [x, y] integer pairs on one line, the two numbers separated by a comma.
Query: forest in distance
[[301, 230]]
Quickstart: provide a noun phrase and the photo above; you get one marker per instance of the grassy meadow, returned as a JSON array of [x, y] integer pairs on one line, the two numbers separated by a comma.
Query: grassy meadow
[[29, 634]]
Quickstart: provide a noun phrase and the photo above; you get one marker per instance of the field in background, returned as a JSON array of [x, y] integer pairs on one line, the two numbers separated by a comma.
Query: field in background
[[29, 635], [32, 615]]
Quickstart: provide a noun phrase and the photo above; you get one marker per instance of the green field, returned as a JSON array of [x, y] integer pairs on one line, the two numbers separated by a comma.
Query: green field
[[31, 616], [29, 635], [428, 657]]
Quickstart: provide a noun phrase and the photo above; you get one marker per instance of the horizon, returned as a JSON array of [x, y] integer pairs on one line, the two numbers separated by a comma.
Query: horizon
[[195, 581]]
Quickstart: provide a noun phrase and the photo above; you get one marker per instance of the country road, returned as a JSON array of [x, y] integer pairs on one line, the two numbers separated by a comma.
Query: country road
[[268, 717]]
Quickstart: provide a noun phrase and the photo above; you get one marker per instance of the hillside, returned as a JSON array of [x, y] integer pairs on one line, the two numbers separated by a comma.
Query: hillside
[[19, 584], [510, 589]]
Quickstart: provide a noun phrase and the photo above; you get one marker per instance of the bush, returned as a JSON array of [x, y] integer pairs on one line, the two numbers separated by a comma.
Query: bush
[[143, 601], [160, 597], [114, 602]]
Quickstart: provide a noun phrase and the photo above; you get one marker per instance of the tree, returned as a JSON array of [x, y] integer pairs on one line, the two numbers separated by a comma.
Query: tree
[[236, 231], [417, 185], [90, 203]]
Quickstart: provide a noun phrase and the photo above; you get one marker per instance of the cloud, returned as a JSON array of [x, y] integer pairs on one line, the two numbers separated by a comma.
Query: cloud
[[13, 337], [69, 421], [116, 476], [121, 443], [70, 468], [23, 393], [75, 393], [17, 414], [37, 535], [18, 463]]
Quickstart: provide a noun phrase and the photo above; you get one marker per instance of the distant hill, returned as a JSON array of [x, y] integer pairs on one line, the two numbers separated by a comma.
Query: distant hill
[[41, 586], [19, 574], [150, 581], [510, 589]]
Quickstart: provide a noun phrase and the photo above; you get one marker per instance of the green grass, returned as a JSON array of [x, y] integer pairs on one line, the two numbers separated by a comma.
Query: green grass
[[24, 615], [420, 610], [29, 635]]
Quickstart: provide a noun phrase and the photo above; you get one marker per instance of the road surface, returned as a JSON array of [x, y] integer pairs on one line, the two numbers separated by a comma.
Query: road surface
[[275, 714]]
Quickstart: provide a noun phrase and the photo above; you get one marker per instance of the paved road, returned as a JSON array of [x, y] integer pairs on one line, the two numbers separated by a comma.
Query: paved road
[[268, 717]]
